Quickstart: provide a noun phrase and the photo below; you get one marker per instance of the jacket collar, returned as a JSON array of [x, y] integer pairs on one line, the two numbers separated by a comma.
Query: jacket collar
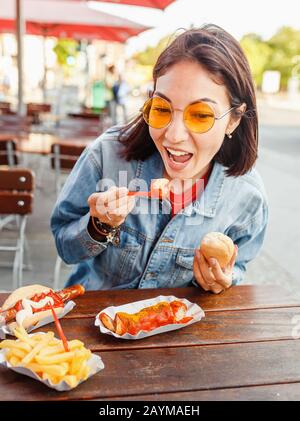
[[208, 202], [206, 205], [151, 168]]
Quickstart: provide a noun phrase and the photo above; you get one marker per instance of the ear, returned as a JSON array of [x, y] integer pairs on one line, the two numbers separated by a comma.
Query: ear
[[235, 118]]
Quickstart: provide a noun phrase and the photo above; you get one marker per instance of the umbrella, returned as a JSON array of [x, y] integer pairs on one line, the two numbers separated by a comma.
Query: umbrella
[[67, 18], [157, 4], [63, 18]]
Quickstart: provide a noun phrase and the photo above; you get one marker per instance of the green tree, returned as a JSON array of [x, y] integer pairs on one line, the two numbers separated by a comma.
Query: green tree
[[258, 54], [149, 56], [66, 51], [285, 45], [277, 53]]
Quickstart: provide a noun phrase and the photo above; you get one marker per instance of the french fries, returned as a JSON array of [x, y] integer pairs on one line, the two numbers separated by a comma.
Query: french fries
[[45, 355]]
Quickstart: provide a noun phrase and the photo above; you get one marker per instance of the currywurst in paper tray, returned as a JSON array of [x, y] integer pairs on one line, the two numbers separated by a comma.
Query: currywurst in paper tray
[[141, 319]]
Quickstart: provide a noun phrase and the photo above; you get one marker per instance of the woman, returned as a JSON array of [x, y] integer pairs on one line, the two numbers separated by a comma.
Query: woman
[[199, 126]]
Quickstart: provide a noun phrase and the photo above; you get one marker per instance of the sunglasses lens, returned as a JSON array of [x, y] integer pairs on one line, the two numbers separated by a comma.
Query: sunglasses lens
[[199, 117], [157, 113]]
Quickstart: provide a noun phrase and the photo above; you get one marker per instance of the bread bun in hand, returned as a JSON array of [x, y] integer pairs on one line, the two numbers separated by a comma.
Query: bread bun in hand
[[218, 246]]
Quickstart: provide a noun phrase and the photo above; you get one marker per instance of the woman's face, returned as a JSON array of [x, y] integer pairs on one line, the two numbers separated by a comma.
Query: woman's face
[[184, 83]]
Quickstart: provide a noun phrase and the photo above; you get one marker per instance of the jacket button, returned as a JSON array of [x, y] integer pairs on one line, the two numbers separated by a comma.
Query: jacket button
[[150, 275]]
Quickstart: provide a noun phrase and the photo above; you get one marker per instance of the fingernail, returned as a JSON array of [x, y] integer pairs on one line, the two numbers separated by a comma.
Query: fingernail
[[123, 190], [213, 261]]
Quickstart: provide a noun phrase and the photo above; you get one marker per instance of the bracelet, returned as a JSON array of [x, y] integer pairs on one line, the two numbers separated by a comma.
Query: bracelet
[[104, 229]]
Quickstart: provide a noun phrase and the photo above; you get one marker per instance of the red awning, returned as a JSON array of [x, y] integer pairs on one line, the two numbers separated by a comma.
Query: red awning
[[157, 4], [68, 19], [106, 33]]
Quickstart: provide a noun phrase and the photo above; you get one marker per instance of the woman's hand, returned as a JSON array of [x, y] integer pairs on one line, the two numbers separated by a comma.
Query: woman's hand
[[210, 276], [111, 207]]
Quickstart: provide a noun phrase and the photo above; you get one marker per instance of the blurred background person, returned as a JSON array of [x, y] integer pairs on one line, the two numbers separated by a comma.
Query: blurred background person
[[110, 80], [122, 92]]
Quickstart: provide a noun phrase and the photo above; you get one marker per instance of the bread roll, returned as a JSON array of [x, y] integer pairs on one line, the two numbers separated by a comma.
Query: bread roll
[[218, 246], [23, 292], [35, 318], [28, 292]]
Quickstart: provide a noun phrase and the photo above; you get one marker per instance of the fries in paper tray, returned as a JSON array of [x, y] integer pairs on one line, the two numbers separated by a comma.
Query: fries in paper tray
[[43, 357], [145, 318]]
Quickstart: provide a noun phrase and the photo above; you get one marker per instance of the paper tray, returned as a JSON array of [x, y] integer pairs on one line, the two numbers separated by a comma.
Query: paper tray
[[95, 363], [4, 330], [192, 310]]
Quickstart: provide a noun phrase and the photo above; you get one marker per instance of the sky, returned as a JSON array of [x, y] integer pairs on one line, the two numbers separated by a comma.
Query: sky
[[238, 17]]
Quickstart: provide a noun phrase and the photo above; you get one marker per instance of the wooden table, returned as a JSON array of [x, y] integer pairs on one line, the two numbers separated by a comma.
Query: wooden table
[[242, 350], [40, 143], [37, 143]]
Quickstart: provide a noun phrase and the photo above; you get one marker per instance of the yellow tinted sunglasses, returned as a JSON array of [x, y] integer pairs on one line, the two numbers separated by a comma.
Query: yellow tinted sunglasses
[[198, 117]]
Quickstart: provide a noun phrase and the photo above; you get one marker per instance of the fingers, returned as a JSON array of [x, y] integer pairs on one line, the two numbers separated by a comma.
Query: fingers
[[206, 271], [207, 284], [112, 206], [197, 272], [210, 274], [121, 209], [115, 193], [210, 277], [221, 278]]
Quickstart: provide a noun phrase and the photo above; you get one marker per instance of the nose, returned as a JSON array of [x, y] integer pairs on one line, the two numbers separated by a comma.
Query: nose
[[176, 132]]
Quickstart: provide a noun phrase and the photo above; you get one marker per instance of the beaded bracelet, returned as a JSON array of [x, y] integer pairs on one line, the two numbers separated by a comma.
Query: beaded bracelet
[[104, 229]]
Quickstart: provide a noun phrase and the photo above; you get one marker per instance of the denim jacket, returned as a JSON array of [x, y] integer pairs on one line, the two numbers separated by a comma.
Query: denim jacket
[[153, 250]]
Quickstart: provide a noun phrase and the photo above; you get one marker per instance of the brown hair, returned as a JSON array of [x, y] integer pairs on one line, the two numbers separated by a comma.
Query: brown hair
[[220, 54]]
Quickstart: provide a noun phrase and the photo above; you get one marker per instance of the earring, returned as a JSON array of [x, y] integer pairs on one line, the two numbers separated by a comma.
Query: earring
[[229, 135]]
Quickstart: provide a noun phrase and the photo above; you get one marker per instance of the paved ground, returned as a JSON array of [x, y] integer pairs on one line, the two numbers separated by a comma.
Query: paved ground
[[278, 164]]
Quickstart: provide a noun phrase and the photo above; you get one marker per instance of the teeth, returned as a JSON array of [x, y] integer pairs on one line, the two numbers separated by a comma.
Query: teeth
[[176, 153]]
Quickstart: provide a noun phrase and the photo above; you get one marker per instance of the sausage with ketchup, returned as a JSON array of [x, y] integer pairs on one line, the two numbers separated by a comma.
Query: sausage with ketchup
[[30, 304]]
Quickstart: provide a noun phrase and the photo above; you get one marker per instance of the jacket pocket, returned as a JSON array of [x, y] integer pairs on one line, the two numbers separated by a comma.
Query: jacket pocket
[[182, 274], [119, 265]]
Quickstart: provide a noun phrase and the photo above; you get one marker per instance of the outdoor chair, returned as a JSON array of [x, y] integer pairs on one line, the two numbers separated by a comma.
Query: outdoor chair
[[8, 152], [34, 110], [5, 108], [8, 157], [16, 198], [63, 158]]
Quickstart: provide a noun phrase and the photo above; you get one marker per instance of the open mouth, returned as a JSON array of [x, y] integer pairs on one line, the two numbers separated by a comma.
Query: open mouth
[[178, 157]]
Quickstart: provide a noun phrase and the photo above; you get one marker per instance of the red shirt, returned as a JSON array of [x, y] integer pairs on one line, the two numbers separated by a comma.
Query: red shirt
[[182, 200]]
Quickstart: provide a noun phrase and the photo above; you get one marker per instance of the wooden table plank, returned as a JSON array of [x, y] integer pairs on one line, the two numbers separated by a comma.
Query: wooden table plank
[[172, 370], [215, 328], [241, 297], [277, 392], [236, 298]]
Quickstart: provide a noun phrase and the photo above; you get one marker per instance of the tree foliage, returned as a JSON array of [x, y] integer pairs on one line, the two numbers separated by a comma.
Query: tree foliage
[[277, 53], [149, 56], [258, 54], [64, 49]]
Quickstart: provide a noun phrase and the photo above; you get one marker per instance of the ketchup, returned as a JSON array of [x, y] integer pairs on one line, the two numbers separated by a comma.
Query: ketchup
[[58, 302]]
